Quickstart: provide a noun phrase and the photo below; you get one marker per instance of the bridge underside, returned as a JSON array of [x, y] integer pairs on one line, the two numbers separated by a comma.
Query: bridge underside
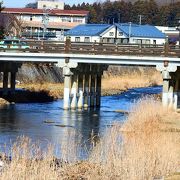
[[82, 83], [8, 71]]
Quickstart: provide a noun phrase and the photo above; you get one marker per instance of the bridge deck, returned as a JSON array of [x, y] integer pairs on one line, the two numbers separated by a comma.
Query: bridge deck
[[127, 54]]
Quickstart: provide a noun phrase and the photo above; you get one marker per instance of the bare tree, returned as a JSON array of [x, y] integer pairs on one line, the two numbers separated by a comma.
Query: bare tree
[[12, 25]]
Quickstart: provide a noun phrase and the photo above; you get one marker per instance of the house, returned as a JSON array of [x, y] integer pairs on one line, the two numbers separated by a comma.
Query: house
[[36, 21], [117, 33], [173, 33], [87, 32], [140, 34]]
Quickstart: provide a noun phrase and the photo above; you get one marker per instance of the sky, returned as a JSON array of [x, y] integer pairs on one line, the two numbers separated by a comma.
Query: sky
[[22, 3]]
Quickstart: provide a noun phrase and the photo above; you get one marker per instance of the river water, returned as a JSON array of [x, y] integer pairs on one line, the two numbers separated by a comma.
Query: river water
[[30, 119]]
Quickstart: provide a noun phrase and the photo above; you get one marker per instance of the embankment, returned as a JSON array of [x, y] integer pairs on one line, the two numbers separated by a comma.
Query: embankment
[[115, 80]]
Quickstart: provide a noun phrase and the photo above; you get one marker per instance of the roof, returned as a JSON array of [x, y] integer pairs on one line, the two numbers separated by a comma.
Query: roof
[[140, 30], [41, 11], [88, 30]]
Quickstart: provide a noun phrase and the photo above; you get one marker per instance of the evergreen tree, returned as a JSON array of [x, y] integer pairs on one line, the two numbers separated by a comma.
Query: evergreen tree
[[31, 5], [1, 26]]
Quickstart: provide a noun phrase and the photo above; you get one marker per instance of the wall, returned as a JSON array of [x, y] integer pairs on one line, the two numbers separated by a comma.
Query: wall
[[29, 73]]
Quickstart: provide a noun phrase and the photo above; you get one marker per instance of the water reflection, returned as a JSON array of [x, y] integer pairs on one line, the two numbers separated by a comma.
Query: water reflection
[[66, 127]]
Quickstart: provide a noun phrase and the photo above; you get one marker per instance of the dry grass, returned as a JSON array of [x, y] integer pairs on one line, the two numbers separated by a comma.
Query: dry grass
[[3, 102], [53, 89], [141, 149], [110, 84], [122, 83]]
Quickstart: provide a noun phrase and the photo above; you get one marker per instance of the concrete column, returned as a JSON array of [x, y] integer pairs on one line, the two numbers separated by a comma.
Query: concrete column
[[80, 91], [92, 91], [175, 103], [86, 91], [171, 94], [165, 92], [98, 90], [13, 80], [5, 79], [74, 92], [67, 82]]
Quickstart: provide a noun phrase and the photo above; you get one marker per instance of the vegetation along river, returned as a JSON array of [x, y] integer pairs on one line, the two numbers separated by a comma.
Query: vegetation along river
[[49, 123]]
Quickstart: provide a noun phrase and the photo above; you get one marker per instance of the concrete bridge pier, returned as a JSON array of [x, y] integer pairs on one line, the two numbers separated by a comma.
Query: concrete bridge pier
[[5, 80], [73, 91], [98, 90], [86, 91], [67, 87], [92, 91], [13, 81], [80, 91], [9, 75], [82, 85], [171, 89]]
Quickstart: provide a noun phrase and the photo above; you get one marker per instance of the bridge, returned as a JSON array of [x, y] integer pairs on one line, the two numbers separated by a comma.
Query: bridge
[[83, 65]]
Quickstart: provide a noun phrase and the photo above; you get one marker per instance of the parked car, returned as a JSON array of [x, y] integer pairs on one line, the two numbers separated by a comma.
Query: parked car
[[13, 44]]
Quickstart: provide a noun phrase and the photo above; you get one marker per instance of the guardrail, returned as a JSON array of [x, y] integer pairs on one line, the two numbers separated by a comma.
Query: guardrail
[[98, 48]]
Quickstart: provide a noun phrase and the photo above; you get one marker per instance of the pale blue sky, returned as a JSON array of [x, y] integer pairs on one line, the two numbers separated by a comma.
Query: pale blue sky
[[22, 3]]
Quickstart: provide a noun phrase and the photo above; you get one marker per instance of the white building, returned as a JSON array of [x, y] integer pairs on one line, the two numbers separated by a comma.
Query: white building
[[117, 33], [173, 33], [34, 21], [50, 4]]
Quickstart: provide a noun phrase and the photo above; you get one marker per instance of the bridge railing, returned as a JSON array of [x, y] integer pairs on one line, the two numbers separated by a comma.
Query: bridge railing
[[99, 48]]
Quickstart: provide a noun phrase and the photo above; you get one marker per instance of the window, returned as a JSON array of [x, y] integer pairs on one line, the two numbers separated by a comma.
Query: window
[[86, 39], [77, 39], [145, 41], [31, 18], [120, 34], [66, 19], [111, 33], [79, 20]]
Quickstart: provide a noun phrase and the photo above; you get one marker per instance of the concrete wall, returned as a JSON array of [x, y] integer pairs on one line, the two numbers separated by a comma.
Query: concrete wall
[[29, 73]]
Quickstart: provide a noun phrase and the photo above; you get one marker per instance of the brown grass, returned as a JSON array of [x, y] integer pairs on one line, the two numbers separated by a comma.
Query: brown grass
[[110, 84], [141, 149], [3, 102], [53, 89], [115, 84]]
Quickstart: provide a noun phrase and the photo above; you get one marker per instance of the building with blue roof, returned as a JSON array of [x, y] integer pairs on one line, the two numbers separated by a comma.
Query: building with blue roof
[[87, 32], [117, 33], [141, 34]]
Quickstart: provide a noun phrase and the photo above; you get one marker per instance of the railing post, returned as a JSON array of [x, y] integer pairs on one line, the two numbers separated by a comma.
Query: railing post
[[166, 49], [67, 45]]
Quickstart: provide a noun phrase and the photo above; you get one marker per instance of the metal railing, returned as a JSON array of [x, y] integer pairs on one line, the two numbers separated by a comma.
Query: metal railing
[[98, 48]]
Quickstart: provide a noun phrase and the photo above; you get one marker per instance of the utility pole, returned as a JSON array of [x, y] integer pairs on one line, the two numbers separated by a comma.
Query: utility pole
[[140, 18], [130, 32], [119, 18], [45, 21]]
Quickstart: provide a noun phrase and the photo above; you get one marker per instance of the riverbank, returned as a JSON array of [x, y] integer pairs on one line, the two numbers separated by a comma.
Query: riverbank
[[3, 102], [110, 84], [150, 148]]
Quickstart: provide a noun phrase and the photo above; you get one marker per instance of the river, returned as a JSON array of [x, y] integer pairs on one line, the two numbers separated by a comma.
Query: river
[[31, 119]]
